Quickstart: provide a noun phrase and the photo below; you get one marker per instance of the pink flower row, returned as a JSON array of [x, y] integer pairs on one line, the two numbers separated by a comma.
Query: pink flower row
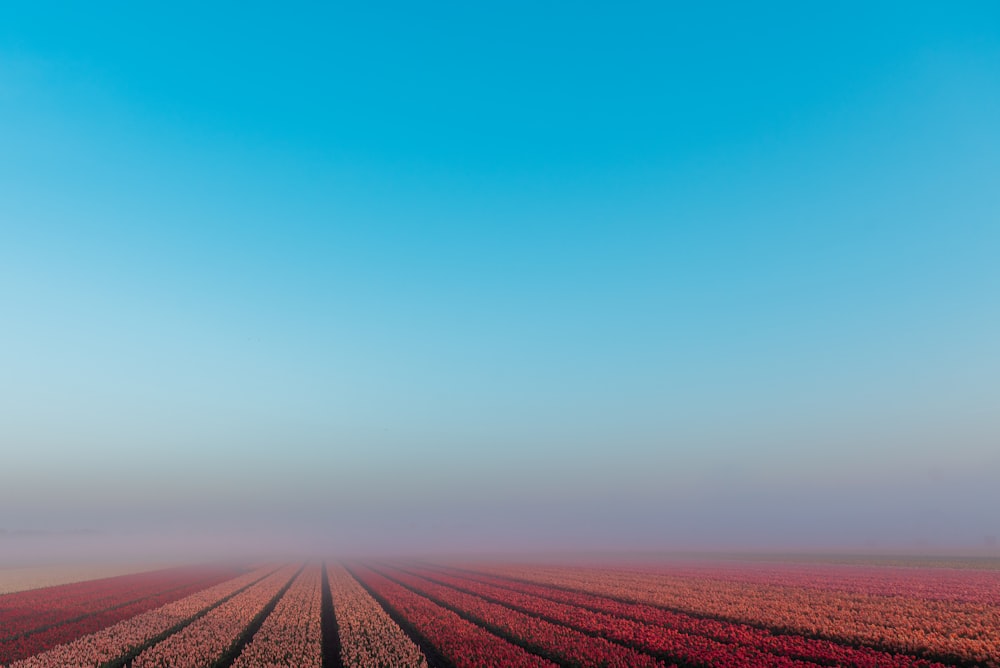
[[207, 638], [460, 642], [553, 640], [118, 640], [291, 634], [368, 636]]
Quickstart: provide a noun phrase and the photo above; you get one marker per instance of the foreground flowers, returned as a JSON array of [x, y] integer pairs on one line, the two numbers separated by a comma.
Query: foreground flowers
[[419, 614]]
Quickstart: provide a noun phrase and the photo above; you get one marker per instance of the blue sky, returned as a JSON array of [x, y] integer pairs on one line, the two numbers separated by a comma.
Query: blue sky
[[552, 266]]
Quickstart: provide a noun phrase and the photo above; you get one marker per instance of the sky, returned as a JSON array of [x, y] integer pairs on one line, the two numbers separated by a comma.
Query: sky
[[503, 275]]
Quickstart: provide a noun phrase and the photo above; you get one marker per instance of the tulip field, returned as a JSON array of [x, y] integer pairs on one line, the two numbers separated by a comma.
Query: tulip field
[[427, 614]]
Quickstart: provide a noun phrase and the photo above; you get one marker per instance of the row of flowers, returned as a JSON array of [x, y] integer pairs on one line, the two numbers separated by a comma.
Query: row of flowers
[[210, 637], [794, 646], [459, 642], [551, 639], [28, 644], [368, 636], [34, 610], [291, 634], [944, 630], [120, 639]]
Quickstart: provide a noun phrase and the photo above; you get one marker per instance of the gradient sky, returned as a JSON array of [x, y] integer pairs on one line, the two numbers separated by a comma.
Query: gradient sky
[[499, 274]]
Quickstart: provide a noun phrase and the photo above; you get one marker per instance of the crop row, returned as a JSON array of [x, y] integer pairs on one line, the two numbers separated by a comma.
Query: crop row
[[794, 646], [291, 634], [28, 644], [933, 628], [129, 635], [460, 642], [553, 640], [368, 636], [28, 611], [208, 638]]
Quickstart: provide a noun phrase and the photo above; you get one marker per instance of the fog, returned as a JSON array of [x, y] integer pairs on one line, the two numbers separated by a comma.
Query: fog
[[915, 508]]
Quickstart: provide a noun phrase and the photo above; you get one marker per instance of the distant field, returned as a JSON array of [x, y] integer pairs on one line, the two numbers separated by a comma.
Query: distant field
[[22, 578], [431, 614]]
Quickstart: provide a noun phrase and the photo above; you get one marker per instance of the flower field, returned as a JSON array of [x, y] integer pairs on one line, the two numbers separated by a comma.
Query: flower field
[[422, 614]]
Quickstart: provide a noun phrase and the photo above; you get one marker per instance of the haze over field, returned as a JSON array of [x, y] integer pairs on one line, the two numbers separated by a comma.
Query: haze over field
[[500, 277]]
